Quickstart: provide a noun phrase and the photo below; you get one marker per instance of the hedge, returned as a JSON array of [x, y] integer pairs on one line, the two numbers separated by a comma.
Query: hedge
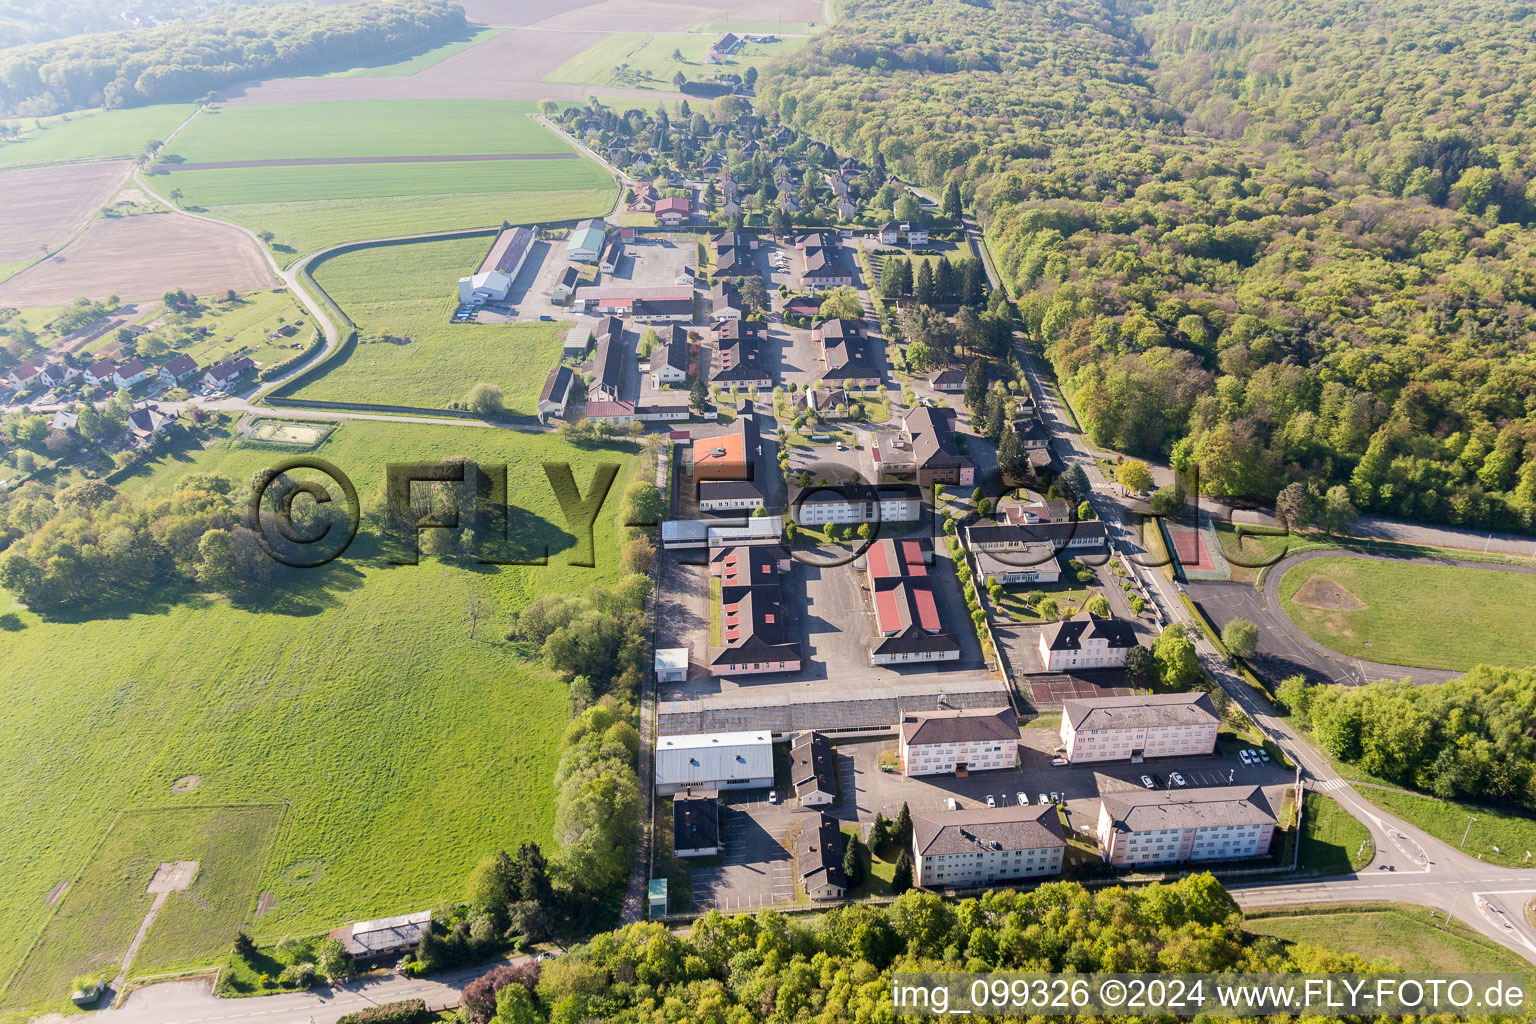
[[405, 1011]]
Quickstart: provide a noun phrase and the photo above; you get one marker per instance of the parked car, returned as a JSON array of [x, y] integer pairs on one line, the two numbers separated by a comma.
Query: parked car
[[1055, 798], [990, 801], [773, 796], [1146, 780], [1023, 799], [1178, 780], [1044, 799], [1264, 756], [547, 318], [1244, 755], [1057, 762], [952, 804]]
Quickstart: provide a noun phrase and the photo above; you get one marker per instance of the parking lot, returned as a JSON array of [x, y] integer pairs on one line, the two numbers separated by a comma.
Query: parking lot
[[758, 868]]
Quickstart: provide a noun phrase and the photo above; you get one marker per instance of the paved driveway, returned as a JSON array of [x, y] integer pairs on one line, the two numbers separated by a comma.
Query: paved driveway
[[758, 869]]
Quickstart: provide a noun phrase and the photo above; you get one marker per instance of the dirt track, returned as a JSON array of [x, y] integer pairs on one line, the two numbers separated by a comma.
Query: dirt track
[[142, 258]]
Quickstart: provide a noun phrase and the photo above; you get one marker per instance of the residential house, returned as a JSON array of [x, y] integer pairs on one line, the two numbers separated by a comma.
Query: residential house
[[825, 267], [1145, 827], [1085, 642], [819, 858], [845, 353], [986, 846], [895, 233], [613, 253], [178, 368], [957, 741], [673, 212], [813, 769], [24, 375], [222, 376], [741, 362], [64, 419], [645, 198], [724, 302], [950, 380], [1137, 727], [907, 625], [57, 374], [149, 421], [370, 940], [130, 373], [733, 254], [101, 374], [669, 359]]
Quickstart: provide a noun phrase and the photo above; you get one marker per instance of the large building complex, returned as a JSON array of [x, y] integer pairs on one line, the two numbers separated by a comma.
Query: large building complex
[[986, 846], [1132, 728], [720, 760], [961, 741], [1154, 827]]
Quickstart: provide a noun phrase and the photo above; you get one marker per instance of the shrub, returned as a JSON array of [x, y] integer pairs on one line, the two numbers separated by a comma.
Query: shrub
[[298, 975], [405, 1011]]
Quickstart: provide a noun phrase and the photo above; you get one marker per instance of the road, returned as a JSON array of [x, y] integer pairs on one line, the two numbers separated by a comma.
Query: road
[[1410, 866]]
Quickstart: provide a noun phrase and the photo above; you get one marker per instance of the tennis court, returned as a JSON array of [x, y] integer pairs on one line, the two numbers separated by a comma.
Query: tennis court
[[1197, 550], [1051, 690]]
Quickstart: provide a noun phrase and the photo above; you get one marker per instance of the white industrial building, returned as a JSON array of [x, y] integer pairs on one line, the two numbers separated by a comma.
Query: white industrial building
[[671, 664], [1137, 727], [493, 280], [985, 846], [478, 289], [720, 760], [961, 741]]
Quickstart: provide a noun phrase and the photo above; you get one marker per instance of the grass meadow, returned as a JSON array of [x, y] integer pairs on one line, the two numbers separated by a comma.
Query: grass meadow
[[90, 135], [249, 323], [651, 64], [352, 694], [1395, 932], [1481, 616], [409, 290], [1331, 838], [1446, 820], [367, 181], [282, 131]]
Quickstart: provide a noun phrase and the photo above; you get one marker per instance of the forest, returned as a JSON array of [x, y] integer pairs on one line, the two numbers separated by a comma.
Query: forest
[[1265, 240], [838, 966], [1471, 738], [187, 60], [36, 21]]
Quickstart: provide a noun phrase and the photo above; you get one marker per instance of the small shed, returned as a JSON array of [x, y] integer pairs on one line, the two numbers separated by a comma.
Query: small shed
[[657, 895], [671, 664]]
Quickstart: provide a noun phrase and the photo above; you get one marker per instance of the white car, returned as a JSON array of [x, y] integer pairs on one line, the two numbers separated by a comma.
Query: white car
[[1044, 799], [1178, 780], [990, 801], [1244, 755], [951, 804], [1146, 780], [1058, 762], [1264, 756], [1023, 799], [773, 796]]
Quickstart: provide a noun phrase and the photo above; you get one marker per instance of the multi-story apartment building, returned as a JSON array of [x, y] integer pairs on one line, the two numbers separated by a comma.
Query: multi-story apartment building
[[1155, 827], [1132, 728], [959, 741], [856, 503], [1086, 642], [985, 846]]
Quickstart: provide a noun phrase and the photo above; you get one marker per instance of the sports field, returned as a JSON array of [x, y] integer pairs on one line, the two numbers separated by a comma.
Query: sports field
[[409, 291], [90, 135], [351, 692], [308, 206], [1376, 608], [644, 60]]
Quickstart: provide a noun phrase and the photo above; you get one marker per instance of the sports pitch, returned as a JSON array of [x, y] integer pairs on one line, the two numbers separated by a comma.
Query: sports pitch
[[283, 432]]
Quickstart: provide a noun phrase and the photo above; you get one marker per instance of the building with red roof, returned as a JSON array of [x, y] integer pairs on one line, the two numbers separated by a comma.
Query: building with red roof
[[908, 627]]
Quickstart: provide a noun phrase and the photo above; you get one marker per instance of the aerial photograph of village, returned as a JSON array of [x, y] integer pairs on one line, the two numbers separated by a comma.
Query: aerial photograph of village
[[640, 511]]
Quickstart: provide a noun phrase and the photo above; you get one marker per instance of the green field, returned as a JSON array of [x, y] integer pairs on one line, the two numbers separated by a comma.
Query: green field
[[351, 692], [650, 64], [421, 61], [94, 134], [100, 913], [1480, 616], [281, 131], [1446, 820], [242, 327], [410, 291], [1403, 935], [366, 181], [1331, 838]]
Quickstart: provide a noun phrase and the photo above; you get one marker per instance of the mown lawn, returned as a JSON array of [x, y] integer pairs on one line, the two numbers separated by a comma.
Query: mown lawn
[[1480, 616], [1394, 932], [1331, 838], [351, 693], [410, 291], [90, 134], [273, 131], [1446, 820]]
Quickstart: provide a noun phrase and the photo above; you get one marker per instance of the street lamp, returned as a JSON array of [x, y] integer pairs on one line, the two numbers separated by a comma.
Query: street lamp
[[1470, 820]]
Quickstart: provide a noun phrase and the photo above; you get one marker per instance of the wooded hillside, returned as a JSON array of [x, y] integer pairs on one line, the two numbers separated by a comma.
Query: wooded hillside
[[1275, 241]]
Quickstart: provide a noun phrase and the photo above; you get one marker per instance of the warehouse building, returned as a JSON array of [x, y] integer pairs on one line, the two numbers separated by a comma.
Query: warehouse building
[[722, 760], [586, 242]]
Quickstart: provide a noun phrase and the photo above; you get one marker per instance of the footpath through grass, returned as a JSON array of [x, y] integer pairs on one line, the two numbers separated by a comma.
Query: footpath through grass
[[409, 291], [1376, 609], [352, 692], [1392, 932]]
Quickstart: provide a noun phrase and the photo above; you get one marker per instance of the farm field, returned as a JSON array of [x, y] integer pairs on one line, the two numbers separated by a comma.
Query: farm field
[[1376, 609], [409, 291], [650, 63], [736, 24], [46, 205], [99, 914], [513, 56], [406, 753], [90, 135], [1392, 932], [365, 128], [141, 258], [420, 62]]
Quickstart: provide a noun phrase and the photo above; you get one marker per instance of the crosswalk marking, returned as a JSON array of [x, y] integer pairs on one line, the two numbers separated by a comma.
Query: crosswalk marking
[[1329, 785]]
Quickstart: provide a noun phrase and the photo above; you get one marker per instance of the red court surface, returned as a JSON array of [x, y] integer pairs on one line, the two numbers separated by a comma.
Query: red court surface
[[1191, 549], [1052, 690]]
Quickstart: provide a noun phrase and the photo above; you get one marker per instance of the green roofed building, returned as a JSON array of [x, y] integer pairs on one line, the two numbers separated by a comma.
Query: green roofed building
[[586, 242]]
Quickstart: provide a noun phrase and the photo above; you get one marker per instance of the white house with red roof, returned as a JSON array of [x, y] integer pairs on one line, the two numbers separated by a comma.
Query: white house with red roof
[[907, 624]]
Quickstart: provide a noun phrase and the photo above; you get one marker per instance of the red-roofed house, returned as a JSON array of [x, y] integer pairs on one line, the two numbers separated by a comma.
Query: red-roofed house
[[907, 624], [672, 212]]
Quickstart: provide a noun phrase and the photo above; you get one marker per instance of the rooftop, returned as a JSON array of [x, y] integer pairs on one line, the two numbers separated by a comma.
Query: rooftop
[[1150, 810], [960, 725], [1140, 712], [1009, 827]]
